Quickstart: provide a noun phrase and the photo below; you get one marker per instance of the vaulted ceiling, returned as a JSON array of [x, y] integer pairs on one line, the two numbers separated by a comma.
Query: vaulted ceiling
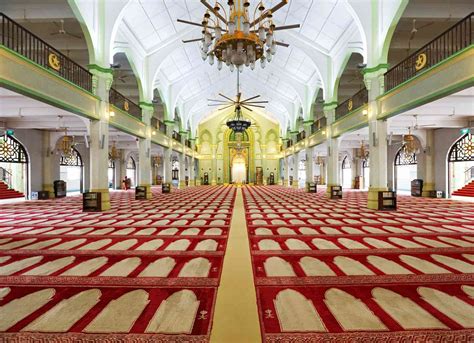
[[148, 28]]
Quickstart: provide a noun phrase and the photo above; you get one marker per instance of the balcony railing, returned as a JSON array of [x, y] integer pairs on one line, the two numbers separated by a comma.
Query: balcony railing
[[176, 136], [187, 142], [456, 38], [300, 136], [289, 143], [15, 37], [125, 104], [162, 126], [357, 100], [318, 125]]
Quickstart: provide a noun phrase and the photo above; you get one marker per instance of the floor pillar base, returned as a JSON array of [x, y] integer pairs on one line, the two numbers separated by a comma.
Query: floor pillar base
[[148, 194], [105, 198], [373, 197], [328, 189], [427, 188], [49, 188]]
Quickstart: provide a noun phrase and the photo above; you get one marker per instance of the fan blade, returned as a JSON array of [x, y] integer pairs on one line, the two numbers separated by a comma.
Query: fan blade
[[74, 35], [427, 125], [223, 108], [287, 27], [189, 22], [192, 40], [210, 8], [213, 105], [247, 108], [256, 106], [282, 44], [255, 102], [254, 97], [412, 35], [267, 12], [217, 100], [222, 95]]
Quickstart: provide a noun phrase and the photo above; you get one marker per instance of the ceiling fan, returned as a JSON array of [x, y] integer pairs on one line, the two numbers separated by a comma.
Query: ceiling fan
[[62, 30], [417, 127], [238, 103]]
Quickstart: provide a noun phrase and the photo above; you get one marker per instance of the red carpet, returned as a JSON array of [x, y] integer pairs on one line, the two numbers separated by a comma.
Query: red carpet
[[334, 271], [146, 271], [7, 193], [466, 191]]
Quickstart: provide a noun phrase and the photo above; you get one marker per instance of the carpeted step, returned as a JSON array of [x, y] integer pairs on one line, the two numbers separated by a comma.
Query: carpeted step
[[466, 191], [6, 193]]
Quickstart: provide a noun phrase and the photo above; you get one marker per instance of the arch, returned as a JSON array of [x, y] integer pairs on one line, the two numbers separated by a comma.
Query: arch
[[343, 66], [404, 158], [14, 164], [276, 266], [68, 164], [350, 312], [176, 314], [405, 167], [296, 313], [131, 61], [405, 311], [460, 160]]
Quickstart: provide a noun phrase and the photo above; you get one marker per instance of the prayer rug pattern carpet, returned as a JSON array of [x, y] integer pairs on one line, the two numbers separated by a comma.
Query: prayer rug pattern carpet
[[335, 271], [145, 271]]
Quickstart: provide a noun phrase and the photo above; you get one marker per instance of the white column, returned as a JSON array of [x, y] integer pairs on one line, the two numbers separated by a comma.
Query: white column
[[309, 165], [182, 170], [167, 165], [48, 162], [355, 167], [295, 170], [332, 161], [429, 170], [144, 150], [99, 138], [214, 165], [374, 82]]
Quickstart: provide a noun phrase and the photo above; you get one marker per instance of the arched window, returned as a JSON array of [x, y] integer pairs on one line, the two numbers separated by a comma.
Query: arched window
[[111, 162], [175, 170], [11, 151], [72, 160], [404, 158], [463, 149], [131, 163], [346, 163], [233, 138]]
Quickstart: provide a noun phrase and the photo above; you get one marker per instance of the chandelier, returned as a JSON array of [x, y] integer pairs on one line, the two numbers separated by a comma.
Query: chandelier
[[409, 143], [114, 153], [362, 151], [66, 144], [239, 35], [157, 160]]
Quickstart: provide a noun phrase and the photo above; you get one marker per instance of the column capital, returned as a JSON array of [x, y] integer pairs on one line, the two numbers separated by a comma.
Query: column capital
[[327, 106], [148, 106]]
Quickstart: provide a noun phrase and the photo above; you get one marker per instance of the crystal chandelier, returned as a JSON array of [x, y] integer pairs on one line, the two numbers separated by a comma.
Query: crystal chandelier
[[239, 35], [362, 151]]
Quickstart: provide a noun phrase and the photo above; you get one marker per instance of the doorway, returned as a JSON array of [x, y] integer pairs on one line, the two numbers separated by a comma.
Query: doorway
[[14, 164], [71, 171], [239, 169], [406, 169]]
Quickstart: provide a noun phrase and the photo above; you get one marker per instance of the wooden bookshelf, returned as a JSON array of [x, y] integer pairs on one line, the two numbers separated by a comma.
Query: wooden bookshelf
[[92, 202]]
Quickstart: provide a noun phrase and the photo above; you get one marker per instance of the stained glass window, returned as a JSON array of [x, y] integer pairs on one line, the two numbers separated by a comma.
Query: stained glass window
[[11, 151], [463, 149], [72, 160], [404, 158]]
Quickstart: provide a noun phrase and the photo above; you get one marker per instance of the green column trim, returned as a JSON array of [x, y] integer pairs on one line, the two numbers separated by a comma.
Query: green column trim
[[146, 105], [330, 105], [100, 69], [376, 68], [294, 132], [169, 122], [306, 122]]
